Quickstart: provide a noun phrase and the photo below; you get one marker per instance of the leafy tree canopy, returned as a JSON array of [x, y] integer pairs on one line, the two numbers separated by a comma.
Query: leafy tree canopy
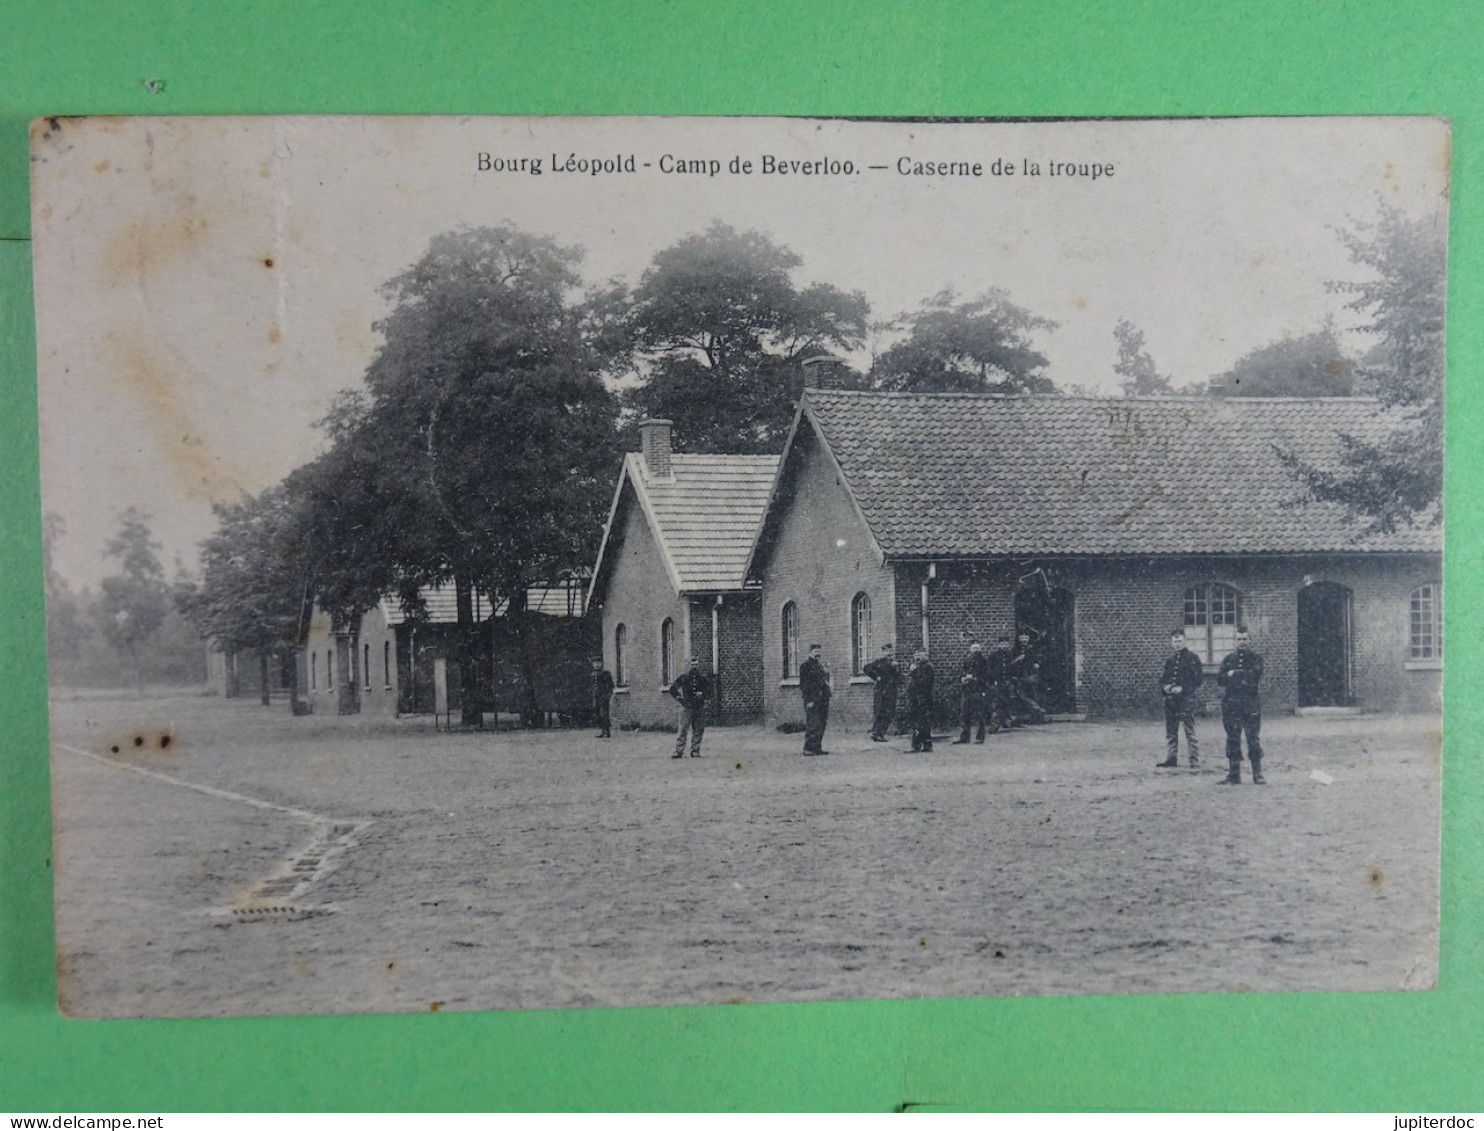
[[980, 345], [132, 602], [720, 329], [1398, 480], [1307, 365], [1137, 374]]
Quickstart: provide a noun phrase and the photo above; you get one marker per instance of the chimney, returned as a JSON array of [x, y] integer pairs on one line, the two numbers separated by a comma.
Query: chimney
[[654, 442], [823, 371]]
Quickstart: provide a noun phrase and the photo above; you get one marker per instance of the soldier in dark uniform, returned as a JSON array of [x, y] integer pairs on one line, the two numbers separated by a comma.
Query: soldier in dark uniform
[[602, 694], [972, 685], [691, 691], [814, 685], [920, 701], [999, 685], [1178, 683], [883, 671], [1025, 676], [1240, 674]]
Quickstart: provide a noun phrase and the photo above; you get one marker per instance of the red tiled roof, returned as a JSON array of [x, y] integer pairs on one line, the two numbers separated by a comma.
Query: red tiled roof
[[946, 475]]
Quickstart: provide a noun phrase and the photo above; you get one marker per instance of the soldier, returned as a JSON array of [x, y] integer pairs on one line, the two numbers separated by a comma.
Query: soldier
[[972, 685], [920, 701], [602, 693], [1000, 685], [887, 677], [1025, 682], [1178, 683], [1240, 674], [691, 691], [814, 685]]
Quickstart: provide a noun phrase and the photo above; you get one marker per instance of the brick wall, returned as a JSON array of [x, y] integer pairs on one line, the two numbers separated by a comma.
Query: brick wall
[[821, 559], [741, 623], [640, 596], [1125, 608]]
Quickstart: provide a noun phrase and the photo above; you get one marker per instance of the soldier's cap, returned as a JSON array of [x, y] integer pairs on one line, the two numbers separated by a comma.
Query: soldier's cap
[[1177, 632], [597, 659], [816, 647], [1004, 640], [1242, 630], [888, 646]]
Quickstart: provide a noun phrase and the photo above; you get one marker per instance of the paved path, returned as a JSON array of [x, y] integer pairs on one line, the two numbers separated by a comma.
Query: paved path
[[263, 864]]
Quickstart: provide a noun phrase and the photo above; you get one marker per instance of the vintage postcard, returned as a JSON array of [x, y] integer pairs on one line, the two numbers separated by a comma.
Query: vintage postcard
[[542, 563]]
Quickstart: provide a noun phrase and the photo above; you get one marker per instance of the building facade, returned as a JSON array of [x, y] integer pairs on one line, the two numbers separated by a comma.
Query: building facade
[[668, 583], [1096, 526]]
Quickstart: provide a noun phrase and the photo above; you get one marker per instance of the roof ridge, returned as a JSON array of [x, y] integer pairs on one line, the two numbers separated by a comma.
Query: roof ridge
[[1099, 398]]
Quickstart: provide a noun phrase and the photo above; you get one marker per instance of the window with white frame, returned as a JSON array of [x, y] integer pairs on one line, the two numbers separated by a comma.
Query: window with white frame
[[1426, 636], [667, 652], [1212, 613], [790, 641], [366, 666], [386, 663], [860, 632]]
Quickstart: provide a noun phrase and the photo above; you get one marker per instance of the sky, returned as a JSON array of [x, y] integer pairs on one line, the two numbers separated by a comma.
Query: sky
[[205, 286]]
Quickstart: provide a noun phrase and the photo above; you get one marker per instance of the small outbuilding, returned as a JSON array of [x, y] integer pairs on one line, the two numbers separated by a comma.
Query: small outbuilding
[[669, 580]]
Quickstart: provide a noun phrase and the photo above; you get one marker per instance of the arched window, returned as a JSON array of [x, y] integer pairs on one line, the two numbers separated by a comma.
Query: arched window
[[1426, 635], [386, 663], [790, 641], [667, 652], [1212, 613], [860, 633], [620, 656]]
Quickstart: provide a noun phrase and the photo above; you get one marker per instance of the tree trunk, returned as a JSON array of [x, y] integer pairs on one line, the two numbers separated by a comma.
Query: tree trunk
[[289, 658], [265, 693], [520, 625], [472, 677]]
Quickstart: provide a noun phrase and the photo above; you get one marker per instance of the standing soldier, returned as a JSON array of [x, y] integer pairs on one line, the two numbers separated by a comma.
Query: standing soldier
[[920, 701], [691, 691], [814, 684], [1025, 681], [1000, 690], [887, 677], [1178, 683], [602, 693], [972, 686], [1240, 673]]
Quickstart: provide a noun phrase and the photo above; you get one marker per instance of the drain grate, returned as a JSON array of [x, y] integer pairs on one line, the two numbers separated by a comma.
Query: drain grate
[[284, 914]]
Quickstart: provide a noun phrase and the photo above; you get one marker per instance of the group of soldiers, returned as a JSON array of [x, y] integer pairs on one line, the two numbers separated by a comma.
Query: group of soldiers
[[998, 690]]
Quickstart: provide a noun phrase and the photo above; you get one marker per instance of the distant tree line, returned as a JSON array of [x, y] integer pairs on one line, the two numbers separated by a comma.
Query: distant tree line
[[481, 449]]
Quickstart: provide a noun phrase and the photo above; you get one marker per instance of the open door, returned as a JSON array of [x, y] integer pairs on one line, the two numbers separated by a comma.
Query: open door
[[1047, 615]]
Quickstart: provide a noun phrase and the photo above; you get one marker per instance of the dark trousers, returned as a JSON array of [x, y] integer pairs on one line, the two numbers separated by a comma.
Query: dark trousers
[[1178, 713], [605, 720], [922, 728], [816, 718], [1237, 717], [884, 711], [694, 720], [971, 712]]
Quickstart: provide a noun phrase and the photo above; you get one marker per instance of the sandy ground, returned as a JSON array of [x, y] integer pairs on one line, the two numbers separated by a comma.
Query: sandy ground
[[260, 864]]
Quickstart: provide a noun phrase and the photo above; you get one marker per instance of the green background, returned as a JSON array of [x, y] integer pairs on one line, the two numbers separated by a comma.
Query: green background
[[1420, 1051]]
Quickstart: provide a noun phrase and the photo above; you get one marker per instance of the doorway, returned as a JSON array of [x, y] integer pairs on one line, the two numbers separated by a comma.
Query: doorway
[[1324, 645], [1046, 615]]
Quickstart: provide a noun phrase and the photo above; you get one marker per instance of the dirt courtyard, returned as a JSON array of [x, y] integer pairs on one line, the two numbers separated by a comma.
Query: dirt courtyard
[[229, 859]]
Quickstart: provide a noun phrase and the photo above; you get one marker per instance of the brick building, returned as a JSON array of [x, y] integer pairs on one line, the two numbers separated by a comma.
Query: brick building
[[1097, 524], [400, 664], [669, 578]]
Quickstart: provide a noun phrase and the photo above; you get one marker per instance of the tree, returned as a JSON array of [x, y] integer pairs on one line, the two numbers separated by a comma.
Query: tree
[[1397, 480], [133, 602], [1139, 377], [254, 592], [720, 329], [1306, 365], [980, 345], [481, 450], [66, 612]]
